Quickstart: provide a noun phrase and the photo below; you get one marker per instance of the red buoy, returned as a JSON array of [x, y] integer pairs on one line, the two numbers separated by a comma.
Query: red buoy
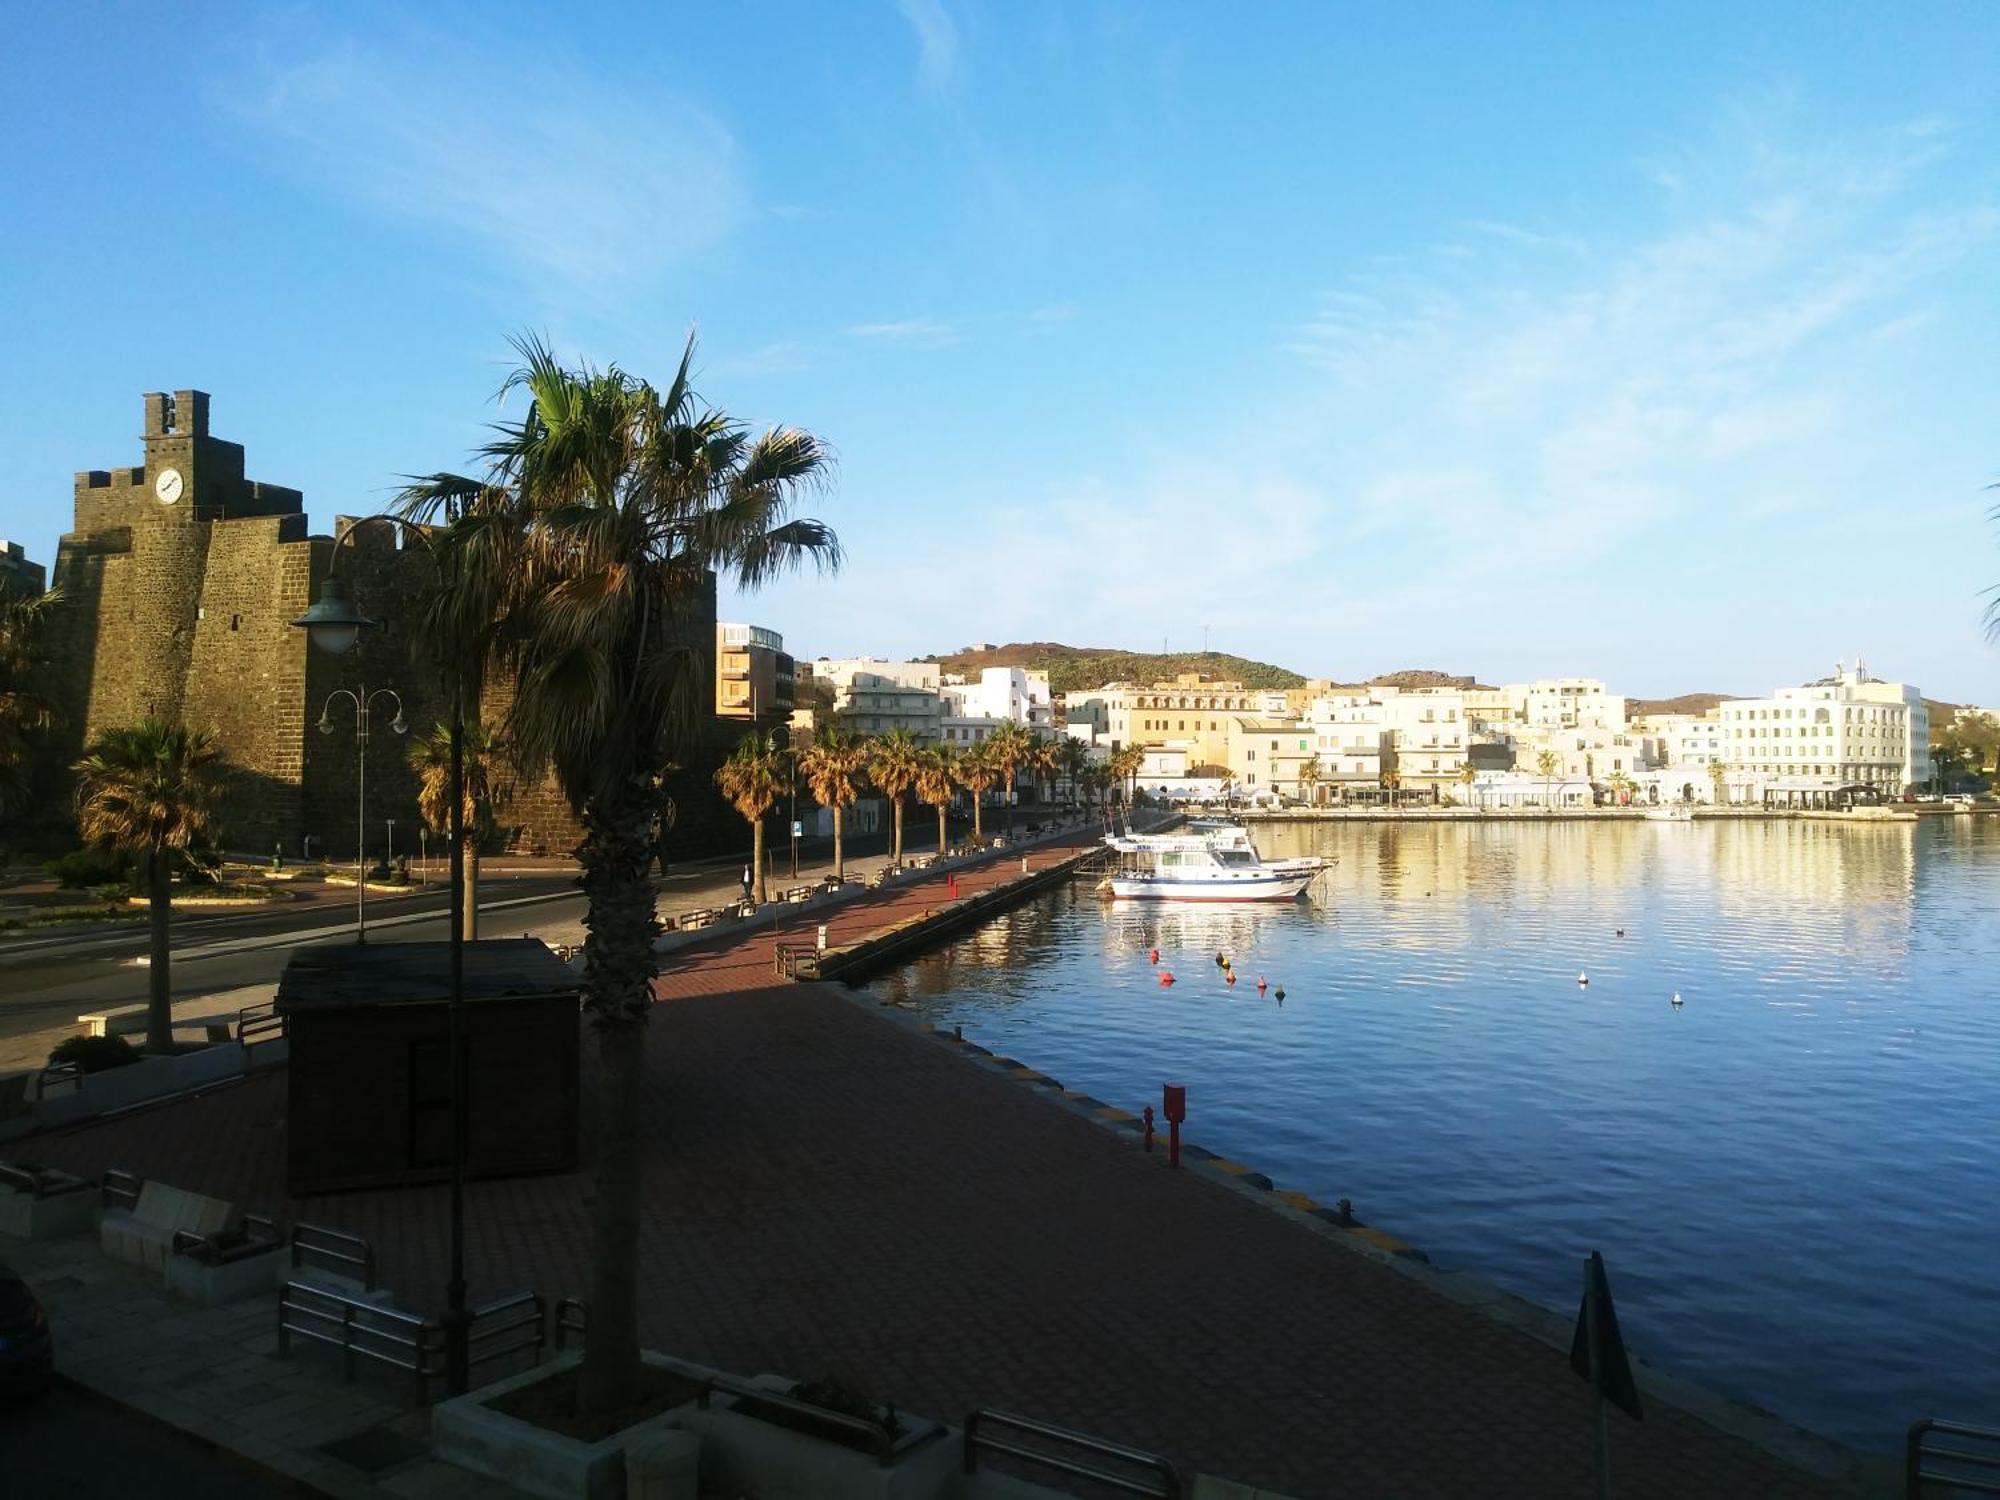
[[1154, 956], [1261, 983], [1166, 978], [1229, 978]]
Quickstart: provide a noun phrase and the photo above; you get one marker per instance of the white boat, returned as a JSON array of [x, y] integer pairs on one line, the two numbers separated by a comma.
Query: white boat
[[1673, 812], [1220, 833], [1214, 865]]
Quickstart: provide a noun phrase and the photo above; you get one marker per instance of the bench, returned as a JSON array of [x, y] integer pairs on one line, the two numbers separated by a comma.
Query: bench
[[143, 1235], [118, 1021], [706, 917], [40, 1203]]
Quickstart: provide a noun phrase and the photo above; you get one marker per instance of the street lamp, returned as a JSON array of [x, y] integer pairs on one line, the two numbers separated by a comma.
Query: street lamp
[[334, 625], [364, 705]]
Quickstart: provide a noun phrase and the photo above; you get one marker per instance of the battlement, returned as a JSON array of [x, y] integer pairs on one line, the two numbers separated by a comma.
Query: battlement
[[183, 414]]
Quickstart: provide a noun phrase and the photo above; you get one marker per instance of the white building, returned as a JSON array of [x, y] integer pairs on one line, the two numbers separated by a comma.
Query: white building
[[1352, 738], [1001, 693], [1678, 741], [1428, 738], [1849, 729], [1503, 789], [874, 697]]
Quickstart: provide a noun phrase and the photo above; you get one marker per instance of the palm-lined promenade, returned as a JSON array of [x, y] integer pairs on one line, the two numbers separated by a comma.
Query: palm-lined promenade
[[1005, 1251]]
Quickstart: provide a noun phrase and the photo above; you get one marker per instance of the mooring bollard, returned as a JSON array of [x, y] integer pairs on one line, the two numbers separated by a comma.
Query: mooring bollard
[[1149, 1127], [1173, 1104]]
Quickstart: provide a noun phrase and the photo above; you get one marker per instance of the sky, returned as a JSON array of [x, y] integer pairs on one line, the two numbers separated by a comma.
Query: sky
[[1649, 343]]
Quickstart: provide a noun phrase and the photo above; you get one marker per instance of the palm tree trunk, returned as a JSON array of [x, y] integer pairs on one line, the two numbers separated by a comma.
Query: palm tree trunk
[[471, 917], [159, 986], [1010, 807], [978, 828], [941, 839], [896, 809], [757, 856], [618, 972], [839, 856]]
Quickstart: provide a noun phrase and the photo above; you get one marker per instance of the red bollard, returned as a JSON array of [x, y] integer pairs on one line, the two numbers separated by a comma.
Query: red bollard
[[1149, 1127], [1173, 1104]]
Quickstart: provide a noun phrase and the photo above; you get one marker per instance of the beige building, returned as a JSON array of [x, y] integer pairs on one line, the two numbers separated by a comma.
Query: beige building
[[754, 677], [1427, 739], [1191, 709], [1266, 755]]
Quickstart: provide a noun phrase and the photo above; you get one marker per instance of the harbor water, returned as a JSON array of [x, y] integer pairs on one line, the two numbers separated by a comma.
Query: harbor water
[[1792, 1175]]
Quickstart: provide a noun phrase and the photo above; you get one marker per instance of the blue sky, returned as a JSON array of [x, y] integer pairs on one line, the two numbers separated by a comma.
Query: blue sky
[[1649, 343]]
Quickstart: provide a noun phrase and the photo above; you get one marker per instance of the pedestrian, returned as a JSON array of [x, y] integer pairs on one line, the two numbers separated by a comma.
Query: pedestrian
[[748, 884]]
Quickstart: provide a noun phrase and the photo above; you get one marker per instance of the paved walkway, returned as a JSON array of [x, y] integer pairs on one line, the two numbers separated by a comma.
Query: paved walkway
[[830, 1192]]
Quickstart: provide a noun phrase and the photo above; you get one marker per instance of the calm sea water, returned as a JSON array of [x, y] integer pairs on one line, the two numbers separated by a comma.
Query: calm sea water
[[1794, 1178]]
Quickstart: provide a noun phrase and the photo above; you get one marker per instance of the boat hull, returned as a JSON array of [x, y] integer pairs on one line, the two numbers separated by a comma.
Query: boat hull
[[1264, 886]]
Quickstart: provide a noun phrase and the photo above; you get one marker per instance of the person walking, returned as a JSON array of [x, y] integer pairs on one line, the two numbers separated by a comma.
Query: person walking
[[748, 884]]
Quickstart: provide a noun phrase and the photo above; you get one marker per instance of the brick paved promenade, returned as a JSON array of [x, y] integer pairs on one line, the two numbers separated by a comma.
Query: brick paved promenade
[[828, 1191]]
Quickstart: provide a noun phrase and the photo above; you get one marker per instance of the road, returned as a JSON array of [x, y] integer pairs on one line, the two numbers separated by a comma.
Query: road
[[72, 1444], [49, 977]]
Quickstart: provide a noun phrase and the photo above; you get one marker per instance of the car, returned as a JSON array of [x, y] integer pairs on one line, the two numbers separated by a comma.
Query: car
[[27, 1351]]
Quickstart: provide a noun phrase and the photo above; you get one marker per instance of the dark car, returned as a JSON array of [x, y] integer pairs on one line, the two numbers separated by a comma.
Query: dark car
[[27, 1353]]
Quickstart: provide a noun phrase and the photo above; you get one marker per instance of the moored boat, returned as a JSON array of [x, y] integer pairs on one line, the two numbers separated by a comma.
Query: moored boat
[[1216, 864]]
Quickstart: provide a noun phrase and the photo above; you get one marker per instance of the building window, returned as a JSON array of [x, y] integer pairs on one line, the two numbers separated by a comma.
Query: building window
[[236, 622]]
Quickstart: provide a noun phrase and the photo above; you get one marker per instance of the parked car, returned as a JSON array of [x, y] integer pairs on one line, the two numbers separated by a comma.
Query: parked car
[[27, 1352]]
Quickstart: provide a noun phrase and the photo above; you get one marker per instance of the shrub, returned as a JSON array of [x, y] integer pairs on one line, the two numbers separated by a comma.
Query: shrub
[[95, 1054], [92, 866]]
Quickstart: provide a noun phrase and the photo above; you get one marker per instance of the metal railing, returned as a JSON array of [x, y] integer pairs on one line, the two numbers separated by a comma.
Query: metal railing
[[878, 1436], [259, 1023], [120, 1189], [512, 1324], [57, 1074], [1974, 1470], [571, 1316], [255, 1235], [1153, 1475], [334, 1250], [39, 1182], [798, 960], [361, 1330]]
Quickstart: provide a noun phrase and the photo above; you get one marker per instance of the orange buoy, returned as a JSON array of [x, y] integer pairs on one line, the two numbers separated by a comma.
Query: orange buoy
[[1262, 983], [1154, 956], [1166, 978], [1229, 978]]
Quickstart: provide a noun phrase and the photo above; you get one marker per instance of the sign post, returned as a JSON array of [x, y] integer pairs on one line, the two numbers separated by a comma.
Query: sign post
[[797, 829], [1597, 1353]]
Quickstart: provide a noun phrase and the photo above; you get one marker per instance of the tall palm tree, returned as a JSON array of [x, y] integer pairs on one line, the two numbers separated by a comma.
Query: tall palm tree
[[1008, 749], [753, 779], [430, 758], [616, 502], [1718, 777], [151, 790], [894, 761], [1309, 780], [1468, 775], [1546, 764], [1044, 759], [1125, 765], [1392, 783], [975, 771], [832, 766], [936, 782], [25, 710], [1072, 759]]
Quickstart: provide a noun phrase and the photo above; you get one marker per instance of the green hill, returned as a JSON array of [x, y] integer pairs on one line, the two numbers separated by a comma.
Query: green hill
[[1072, 668]]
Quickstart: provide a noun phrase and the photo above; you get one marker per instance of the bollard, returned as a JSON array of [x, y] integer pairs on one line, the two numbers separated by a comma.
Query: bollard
[[1149, 1127], [1173, 1104], [822, 937]]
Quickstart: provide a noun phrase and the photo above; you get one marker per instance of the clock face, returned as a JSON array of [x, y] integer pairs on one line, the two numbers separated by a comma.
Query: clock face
[[168, 486]]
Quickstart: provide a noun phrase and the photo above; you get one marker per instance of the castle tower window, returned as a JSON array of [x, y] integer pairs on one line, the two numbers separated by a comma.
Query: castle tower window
[[236, 622]]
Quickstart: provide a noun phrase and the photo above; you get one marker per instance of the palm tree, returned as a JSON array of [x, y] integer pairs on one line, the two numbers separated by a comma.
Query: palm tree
[[1007, 750], [1621, 788], [893, 763], [1045, 759], [151, 790], [832, 766], [1546, 764], [1125, 765], [1072, 759], [25, 711], [935, 784], [753, 778], [1392, 782], [430, 758], [1468, 774], [1309, 781], [616, 503], [1718, 776], [974, 770]]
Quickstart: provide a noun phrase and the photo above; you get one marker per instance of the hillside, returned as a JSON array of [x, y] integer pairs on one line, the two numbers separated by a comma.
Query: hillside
[[1071, 668], [1686, 703]]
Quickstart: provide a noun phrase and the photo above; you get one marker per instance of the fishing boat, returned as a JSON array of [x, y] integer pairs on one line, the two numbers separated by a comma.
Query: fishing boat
[[1207, 866], [1222, 833]]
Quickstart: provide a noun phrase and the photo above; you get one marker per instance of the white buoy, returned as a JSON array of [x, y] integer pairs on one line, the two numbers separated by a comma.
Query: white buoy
[[1583, 979], [1677, 999]]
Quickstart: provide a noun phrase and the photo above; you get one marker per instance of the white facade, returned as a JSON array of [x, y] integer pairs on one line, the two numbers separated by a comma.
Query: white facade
[[1849, 728], [1498, 789], [1427, 733], [1682, 740], [1002, 693], [841, 670]]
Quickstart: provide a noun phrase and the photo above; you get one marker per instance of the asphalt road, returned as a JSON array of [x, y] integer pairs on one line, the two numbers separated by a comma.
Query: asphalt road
[[78, 1446]]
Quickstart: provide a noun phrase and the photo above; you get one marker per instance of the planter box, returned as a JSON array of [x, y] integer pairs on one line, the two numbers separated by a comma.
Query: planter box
[[62, 1207], [467, 1432], [212, 1283], [744, 1454]]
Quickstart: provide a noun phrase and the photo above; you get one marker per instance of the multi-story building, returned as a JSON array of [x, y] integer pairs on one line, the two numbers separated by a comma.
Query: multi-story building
[[874, 697], [1427, 737], [1352, 741], [1846, 730], [1191, 708], [18, 575], [1268, 755], [1001, 693], [840, 670], [1676, 741], [754, 676]]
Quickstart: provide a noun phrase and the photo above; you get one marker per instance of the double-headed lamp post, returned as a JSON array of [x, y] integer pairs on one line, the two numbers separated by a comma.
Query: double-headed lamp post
[[364, 708], [334, 625]]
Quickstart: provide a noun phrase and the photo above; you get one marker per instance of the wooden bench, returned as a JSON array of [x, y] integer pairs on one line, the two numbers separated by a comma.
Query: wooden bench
[[144, 1234]]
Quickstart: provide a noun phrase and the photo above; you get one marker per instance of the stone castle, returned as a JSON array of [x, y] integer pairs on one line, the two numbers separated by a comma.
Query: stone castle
[[182, 578]]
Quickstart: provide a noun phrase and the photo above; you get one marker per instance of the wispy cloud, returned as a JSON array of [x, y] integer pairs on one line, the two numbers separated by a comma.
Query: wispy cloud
[[598, 186], [783, 357], [937, 43], [928, 331]]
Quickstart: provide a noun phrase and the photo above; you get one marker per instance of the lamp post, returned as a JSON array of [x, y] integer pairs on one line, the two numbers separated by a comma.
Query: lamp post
[[334, 625], [364, 707]]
